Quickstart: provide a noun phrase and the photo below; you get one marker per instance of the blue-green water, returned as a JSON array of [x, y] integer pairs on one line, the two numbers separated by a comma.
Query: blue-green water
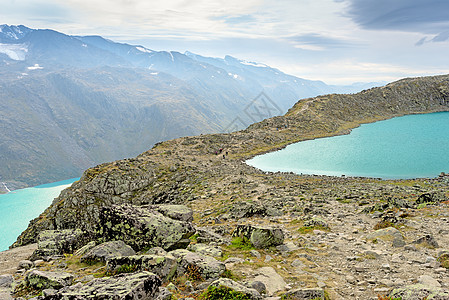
[[19, 207], [411, 146]]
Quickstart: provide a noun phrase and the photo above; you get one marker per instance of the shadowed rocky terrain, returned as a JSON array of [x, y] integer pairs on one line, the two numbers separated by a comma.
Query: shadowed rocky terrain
[[190, 218]]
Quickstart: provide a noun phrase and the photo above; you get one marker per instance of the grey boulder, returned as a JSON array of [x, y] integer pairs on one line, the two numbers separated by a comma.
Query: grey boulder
[[106, 251]]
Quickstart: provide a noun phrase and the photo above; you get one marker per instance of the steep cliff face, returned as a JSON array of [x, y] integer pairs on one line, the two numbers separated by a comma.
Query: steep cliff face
[[207, 170]]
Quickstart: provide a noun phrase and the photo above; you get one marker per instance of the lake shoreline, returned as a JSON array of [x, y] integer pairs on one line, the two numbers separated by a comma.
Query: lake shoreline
[[409, 129]]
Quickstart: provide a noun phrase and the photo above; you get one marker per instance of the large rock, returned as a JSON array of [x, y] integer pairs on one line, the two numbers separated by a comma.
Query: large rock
[[142, 285], [206, 266], [226, 282], [57, 242], [204, 249], [260, 236], [40, 280], [205, 235], [162, 266], [176, 212], [420, 291], [433, 197], [143, 227], [389, 234], [272, 280], [106, 251]]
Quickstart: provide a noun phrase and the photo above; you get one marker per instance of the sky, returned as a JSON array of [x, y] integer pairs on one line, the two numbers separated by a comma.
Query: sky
[[336, 41]]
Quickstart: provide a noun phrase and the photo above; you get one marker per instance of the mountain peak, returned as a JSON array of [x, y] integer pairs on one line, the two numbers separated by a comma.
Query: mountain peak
[[13, 32]]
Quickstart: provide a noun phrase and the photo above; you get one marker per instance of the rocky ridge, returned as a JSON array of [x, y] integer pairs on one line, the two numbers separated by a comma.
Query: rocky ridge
[[334, 237]]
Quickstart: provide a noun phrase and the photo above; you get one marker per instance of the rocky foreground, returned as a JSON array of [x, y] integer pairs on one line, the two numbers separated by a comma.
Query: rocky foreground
[[189, 219]]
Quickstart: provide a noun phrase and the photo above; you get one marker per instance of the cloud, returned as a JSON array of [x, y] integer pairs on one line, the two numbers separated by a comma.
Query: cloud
[[30, 12], [422, 16], [409, 15], [319, 42]]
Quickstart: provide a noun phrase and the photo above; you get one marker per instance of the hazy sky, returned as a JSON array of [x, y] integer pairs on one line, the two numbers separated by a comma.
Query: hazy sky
[[337, 41]]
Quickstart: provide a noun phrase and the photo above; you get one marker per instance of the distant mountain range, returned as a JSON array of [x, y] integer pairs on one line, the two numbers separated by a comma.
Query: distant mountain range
[[70, 102]]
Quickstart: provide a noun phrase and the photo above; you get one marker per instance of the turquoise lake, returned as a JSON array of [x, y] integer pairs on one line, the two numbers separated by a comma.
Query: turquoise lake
[[411, 146], [19, 207]]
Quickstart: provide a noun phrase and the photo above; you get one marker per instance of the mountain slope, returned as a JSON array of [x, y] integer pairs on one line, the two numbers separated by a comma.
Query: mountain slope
[[70, 102]]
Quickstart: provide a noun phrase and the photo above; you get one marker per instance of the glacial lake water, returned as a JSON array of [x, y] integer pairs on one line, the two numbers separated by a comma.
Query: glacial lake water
[[19, 207], [411, 146]]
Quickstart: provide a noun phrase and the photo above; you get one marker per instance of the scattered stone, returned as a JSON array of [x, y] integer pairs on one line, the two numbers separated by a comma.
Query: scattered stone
[[83, 250], [316, 222], [250, 209], [6, 281], [163, 294], [175, 212], [433, 197], [38, 263], [206, 236], [427, 239], [5, 294], [172, 288], [376, 254], [386, 282], [258, 286], [234, 260], [388, 234], [398, 203], [300, 294], [287, 247], [428, 281], [48, 292], [297, 264], [40, 280], [260, 237], [255, 253], [106, 251], [410, 248], [157, 251], [25, 264]]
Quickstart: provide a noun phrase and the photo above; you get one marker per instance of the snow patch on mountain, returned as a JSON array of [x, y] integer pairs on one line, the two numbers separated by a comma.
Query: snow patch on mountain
[[14, 51], [144, 50], [253, 64], [234, 75], [35, 67]]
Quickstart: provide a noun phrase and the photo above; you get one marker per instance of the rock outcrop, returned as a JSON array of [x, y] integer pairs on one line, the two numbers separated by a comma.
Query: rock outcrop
[[143, 227], [143, 285]]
